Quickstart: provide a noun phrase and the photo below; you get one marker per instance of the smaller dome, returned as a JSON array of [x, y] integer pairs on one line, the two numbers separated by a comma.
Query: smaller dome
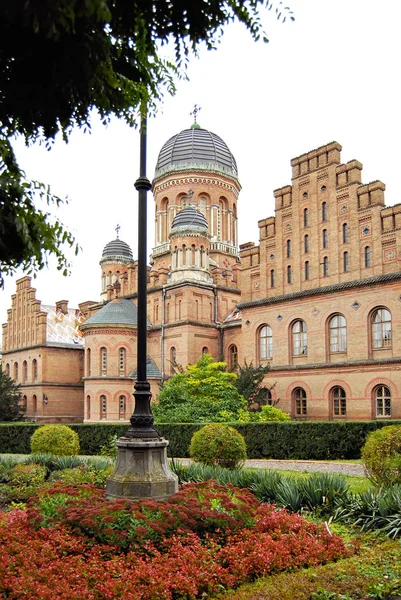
[[117, 249], [190, 217], [119, 311]]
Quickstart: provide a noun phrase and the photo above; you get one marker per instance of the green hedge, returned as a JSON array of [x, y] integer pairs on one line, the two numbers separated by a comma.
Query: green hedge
[[307, 440]]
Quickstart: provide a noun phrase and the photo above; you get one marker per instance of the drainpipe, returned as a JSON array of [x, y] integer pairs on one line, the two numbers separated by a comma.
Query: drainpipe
[[162, 333], [217, 322]]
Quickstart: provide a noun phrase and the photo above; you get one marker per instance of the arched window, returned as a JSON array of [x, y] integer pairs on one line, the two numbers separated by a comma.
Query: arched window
[[173, 360], [367, 256], [24, 372], [289, 274], [23, 404], [265, 342], [324, 211], [306, 244], [300, 404], [184, 255], [103, 407], [382, 398], [34, 369], [88, 363], [16, 371], [205, 350], [381, 328], [122, 406], [35, 403], [193, 254], [299, 338], [121, 360], [306, 217], [202, 205], [288, 248], [268, 398], [339, 400], [325, 238], [272, 282], [325, 266], [338, 334], [345, 233], [232, 357], [307, 270], [8, 369], [88, 407], [345, 262], [103, 361]]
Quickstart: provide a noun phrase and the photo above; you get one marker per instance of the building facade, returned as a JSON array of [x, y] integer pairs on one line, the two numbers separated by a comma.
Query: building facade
[[318, 299]]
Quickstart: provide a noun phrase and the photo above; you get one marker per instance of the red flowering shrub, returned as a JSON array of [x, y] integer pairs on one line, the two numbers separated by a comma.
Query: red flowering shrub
[[65, 560], [199, 508]]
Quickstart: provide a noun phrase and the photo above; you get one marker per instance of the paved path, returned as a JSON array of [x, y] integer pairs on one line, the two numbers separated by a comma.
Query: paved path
[[301, 465]]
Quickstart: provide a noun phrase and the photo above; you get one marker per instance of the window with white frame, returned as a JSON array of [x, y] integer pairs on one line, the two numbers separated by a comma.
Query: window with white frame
[[299, 338], [338, 334], [382, 398], [265, 342], [381, 328]]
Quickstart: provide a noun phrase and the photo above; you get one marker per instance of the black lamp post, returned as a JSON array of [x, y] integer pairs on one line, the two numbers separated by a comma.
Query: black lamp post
[[142, 470], [142, 419]]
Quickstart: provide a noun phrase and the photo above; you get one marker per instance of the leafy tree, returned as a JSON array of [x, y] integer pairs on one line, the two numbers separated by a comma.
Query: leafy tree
[[59, 60], [249, 383], [204, 393], [28, 235], [10, 398]]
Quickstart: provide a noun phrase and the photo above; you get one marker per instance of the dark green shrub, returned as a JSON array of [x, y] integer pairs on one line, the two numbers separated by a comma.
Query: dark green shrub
[[55, 439], [218, 444], [381, 455]]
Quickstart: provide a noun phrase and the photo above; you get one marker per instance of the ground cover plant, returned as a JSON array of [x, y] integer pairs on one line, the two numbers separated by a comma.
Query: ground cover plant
[[73, 543], [373, 573]]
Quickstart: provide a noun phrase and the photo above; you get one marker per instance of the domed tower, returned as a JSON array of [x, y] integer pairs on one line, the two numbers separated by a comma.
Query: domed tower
[[189, 246], [196, 168], [117, 264]]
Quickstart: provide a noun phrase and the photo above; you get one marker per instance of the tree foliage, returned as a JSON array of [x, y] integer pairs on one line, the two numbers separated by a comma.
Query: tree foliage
[[204, 393], [10, 398], [250, 383], [59, 60]]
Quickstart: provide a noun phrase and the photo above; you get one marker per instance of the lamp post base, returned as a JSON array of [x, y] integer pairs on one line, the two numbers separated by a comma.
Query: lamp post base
[[141, 471]]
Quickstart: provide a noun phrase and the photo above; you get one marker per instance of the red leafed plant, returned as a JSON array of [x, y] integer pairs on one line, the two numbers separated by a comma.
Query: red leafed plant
[[73, 544]]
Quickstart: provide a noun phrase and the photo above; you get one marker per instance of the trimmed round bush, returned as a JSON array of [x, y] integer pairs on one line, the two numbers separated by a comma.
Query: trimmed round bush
[[218, 444], [381, 455], [55, 439]]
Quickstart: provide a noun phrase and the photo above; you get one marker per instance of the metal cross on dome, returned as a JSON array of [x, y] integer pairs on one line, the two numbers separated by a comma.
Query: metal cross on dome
[[195, 111], [118, 229]]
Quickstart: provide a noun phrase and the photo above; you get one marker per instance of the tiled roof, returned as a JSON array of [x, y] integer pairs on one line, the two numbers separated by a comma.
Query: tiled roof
[[152, 372], [116, 312], [63, 328], [328, 289]]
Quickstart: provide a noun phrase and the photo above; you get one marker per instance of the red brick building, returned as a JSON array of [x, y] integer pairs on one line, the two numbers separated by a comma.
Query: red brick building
[[318, 299]]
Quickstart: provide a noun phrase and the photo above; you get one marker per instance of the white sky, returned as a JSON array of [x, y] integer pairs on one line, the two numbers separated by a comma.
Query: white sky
[[332, 75]]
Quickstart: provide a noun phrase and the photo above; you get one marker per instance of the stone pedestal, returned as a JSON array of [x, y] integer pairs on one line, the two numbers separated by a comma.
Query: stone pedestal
[[142, 470]]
